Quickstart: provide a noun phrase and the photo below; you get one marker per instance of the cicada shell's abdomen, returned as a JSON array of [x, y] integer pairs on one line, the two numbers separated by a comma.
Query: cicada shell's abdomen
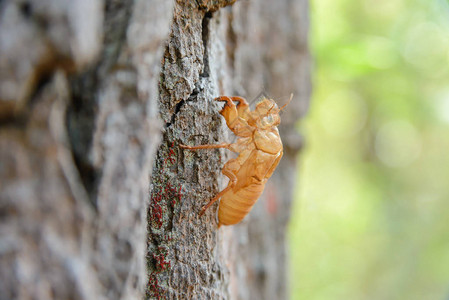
[[235, 205]]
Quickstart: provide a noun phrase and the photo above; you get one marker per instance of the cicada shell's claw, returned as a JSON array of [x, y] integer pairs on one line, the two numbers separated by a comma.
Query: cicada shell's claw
[[203, 210], [222, 98]]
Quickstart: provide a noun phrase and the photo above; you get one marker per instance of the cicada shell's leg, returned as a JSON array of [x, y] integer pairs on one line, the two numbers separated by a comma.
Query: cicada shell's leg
[[225, 98], [232, 182], [235, 122], [207, 146], [242, 107]]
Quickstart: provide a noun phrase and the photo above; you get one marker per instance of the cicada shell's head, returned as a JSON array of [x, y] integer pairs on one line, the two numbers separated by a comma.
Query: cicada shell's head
[[266, 114]]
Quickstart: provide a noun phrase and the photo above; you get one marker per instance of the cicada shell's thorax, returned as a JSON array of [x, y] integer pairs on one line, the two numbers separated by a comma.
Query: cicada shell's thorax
[[235, 205]]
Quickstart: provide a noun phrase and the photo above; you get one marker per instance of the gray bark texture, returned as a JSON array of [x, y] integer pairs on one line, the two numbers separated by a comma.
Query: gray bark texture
[[97, 200]]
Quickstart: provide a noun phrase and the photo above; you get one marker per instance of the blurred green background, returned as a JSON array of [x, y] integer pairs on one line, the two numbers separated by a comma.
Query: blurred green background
[[371, 218]]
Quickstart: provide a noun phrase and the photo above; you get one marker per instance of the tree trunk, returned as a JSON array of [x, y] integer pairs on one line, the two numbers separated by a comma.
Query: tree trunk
[[82, 90], [237, 50], [79, 129]]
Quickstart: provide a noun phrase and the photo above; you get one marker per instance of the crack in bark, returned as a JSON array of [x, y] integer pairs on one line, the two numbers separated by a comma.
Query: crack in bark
[[205, 37], [80, 122], [177, 110], [181, 103], [82, 109]]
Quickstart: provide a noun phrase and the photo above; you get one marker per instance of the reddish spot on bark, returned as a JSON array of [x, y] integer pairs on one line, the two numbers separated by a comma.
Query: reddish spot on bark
[[179, 193], [161, 261], [156, 210], [167, 238], [164, 194], [168, 194], [154, 290], [171, 155]]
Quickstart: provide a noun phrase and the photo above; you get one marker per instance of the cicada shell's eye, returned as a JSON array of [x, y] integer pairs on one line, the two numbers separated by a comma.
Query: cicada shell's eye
[[266, 121]]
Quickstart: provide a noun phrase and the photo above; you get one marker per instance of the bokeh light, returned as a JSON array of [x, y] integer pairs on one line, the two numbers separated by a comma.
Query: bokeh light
[[371, 218]]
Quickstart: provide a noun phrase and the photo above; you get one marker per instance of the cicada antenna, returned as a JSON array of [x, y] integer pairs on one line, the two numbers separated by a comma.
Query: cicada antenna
[[262, 95], [291, 97]]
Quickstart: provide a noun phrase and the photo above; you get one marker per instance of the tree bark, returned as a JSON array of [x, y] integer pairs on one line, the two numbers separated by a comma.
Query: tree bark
[[94, 97], [79, 129], [243, 49]]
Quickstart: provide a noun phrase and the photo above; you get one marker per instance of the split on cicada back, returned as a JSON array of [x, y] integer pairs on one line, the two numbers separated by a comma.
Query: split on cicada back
[[266, 113]]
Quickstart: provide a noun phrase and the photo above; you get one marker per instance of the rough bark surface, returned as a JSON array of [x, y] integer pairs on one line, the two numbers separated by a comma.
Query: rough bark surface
[[97, 95], [78, 132], [215, 49]]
